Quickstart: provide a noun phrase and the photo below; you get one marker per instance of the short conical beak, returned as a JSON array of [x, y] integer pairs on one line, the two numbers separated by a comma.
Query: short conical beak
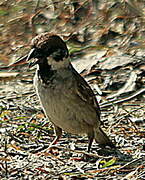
[[31, 54]]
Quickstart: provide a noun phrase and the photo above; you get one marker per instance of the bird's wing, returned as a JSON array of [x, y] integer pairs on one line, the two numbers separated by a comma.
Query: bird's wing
[[86, 93]]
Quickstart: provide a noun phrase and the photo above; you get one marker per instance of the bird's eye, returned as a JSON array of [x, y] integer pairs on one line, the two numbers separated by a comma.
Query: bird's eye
[[59, 54]]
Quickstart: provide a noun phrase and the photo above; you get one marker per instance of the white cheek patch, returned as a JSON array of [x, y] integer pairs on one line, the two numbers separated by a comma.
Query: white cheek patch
[[58, 64]]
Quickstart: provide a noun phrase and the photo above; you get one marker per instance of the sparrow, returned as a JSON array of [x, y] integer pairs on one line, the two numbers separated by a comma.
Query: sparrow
[[66, 98]]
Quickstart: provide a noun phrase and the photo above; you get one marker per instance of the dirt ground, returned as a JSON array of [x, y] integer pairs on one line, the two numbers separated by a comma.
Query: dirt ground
[[26, 133]]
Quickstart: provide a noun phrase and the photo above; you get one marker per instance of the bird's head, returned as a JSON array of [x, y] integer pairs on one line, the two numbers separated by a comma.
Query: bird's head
[[49, 48]]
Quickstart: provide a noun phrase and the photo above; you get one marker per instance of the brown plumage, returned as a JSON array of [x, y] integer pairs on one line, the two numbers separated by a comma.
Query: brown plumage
[[66, 98]]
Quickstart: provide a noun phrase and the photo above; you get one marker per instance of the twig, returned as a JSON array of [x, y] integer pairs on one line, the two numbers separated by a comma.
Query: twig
[[37, 5], [19, 61], [126, 115], [31, 22], [5, 150], [113, 102], [17, 96], [130, 120], [130, 163], [51, 155]]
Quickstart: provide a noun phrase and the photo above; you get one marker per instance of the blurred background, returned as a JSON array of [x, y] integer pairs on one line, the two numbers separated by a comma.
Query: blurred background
[[115, 26]]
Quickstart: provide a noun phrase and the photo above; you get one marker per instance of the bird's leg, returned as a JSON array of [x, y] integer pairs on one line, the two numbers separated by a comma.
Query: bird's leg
[[90, 140], [58, 132], [86, 157]]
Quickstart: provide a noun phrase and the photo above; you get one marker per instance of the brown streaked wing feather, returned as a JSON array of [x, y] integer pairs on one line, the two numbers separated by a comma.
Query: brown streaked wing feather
[[86, 93]]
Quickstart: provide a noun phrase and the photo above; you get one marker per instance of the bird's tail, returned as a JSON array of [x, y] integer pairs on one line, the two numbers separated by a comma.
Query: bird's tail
[[102, 139]]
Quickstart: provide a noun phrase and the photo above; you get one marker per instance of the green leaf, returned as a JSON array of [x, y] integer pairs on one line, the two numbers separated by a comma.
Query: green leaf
[[109, 163], [3, 13]]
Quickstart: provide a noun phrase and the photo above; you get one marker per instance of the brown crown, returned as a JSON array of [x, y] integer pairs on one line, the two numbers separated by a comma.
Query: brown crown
[[45, 40]]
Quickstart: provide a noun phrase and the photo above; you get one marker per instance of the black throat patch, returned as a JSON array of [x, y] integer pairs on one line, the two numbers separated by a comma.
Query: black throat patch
[[45, 72]]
